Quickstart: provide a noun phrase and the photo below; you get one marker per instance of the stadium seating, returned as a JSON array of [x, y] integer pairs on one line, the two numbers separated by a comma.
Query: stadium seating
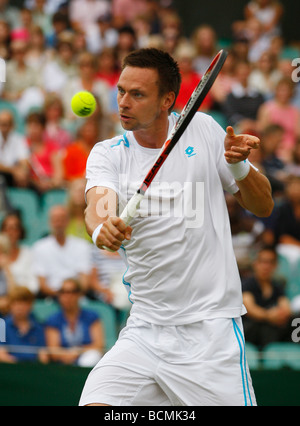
[[220, 118], [108, 317], [253, 356], [50, 199], [281, 355], [35, 211], [26, 201], [43, 309]]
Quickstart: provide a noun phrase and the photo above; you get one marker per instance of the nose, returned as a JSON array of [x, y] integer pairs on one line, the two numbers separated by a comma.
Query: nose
[[124, 101]]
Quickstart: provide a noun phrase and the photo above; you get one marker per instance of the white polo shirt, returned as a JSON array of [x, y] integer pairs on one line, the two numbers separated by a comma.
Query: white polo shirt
[[12, 151], [57, 263], [181, 263]]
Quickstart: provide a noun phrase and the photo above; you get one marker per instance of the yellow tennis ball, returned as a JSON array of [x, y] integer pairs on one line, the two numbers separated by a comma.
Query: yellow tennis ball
[[83, 104]]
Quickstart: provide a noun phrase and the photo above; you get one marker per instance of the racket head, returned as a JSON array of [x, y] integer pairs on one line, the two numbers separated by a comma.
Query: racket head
[[186, 116], [197, 98]]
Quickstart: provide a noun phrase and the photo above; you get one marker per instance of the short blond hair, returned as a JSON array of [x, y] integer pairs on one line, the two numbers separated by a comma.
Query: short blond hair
[[21, 294]]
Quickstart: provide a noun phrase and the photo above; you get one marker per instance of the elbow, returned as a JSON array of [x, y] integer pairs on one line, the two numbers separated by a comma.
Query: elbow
[[266, 210]]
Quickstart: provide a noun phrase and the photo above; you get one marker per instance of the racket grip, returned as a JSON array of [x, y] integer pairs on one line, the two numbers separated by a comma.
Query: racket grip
[[130, 210]]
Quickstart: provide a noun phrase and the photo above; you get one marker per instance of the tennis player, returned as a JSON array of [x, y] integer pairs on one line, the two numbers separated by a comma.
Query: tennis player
[[183, 343]]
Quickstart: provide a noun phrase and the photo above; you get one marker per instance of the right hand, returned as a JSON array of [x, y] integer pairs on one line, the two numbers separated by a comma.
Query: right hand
[[114, 231]]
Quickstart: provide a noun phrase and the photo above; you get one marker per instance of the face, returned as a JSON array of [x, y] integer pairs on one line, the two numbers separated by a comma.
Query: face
[[284, 93], [6, 123], [69, 295], [140, 104], [59, 220], [293, 194], [20, 310], [243, 72], [35, 131], [271, 142], [12, 228], [265, 265]]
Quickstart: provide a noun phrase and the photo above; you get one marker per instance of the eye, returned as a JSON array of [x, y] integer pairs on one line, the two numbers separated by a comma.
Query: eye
[[138, 95], [121, 91]]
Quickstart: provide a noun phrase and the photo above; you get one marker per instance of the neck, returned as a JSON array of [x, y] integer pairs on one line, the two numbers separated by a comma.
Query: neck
[[72, 312], [15, 250], [153, 137], [61, 239], [283, 104]]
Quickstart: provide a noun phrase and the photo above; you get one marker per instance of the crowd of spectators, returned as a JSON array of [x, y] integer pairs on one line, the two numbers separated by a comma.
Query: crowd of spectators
[[56, 48]]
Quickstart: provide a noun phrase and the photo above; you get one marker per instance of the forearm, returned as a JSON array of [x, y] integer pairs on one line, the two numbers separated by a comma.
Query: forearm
[[288, 239], [254, 311], [6, 357], [255, 194], [101, 204]]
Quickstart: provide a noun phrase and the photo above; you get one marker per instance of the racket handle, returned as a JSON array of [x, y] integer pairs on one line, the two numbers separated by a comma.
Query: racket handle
[[130, 210]]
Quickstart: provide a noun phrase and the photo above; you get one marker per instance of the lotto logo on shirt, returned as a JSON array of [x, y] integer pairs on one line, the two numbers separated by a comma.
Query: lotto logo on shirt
[[2, 331]]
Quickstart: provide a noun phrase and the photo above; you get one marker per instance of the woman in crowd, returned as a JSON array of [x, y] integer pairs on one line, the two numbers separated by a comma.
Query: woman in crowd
[[74, 335]]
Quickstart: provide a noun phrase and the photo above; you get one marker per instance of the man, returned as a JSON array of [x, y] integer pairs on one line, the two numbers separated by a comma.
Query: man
[[14, 153], [242, 105], [59, 257], [183, 343], [269, 312]]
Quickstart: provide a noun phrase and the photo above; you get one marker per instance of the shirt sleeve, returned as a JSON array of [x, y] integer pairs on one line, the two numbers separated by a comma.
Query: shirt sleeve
[[21, 148], [101, 170]]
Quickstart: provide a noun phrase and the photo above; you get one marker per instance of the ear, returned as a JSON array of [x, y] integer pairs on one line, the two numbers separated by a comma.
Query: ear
[[168, 101]]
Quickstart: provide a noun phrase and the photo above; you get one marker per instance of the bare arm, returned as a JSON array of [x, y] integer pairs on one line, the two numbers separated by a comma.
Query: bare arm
[[102, 209], [279, 315], [97, 337], [255, 193]]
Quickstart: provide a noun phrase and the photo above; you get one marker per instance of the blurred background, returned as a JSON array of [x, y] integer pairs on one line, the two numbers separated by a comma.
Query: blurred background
[[62, 300]]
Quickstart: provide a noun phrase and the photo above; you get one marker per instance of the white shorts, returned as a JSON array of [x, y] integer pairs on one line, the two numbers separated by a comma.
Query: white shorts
[[201, 364]]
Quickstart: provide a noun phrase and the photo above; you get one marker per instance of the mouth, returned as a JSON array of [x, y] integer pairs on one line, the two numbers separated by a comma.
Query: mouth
[[125, 118]]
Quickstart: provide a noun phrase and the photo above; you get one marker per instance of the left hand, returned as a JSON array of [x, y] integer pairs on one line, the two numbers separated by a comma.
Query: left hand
[[238, 147]]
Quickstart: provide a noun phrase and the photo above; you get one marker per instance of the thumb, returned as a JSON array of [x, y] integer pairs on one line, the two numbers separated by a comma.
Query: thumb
[[230, 131]]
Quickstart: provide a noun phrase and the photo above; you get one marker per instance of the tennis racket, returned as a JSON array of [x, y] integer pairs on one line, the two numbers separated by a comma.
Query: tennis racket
[[183, 121]]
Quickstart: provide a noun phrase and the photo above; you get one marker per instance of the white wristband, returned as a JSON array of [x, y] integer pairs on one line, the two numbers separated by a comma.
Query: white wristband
[[96, 233], [239, 170]]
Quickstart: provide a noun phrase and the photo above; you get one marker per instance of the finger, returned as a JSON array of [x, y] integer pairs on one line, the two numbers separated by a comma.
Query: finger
[[234, 157], [111, 246], [241, 150], [118, 223], [107, 241], [253, 143], [230, 131], [128, 233], [114, 232]]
